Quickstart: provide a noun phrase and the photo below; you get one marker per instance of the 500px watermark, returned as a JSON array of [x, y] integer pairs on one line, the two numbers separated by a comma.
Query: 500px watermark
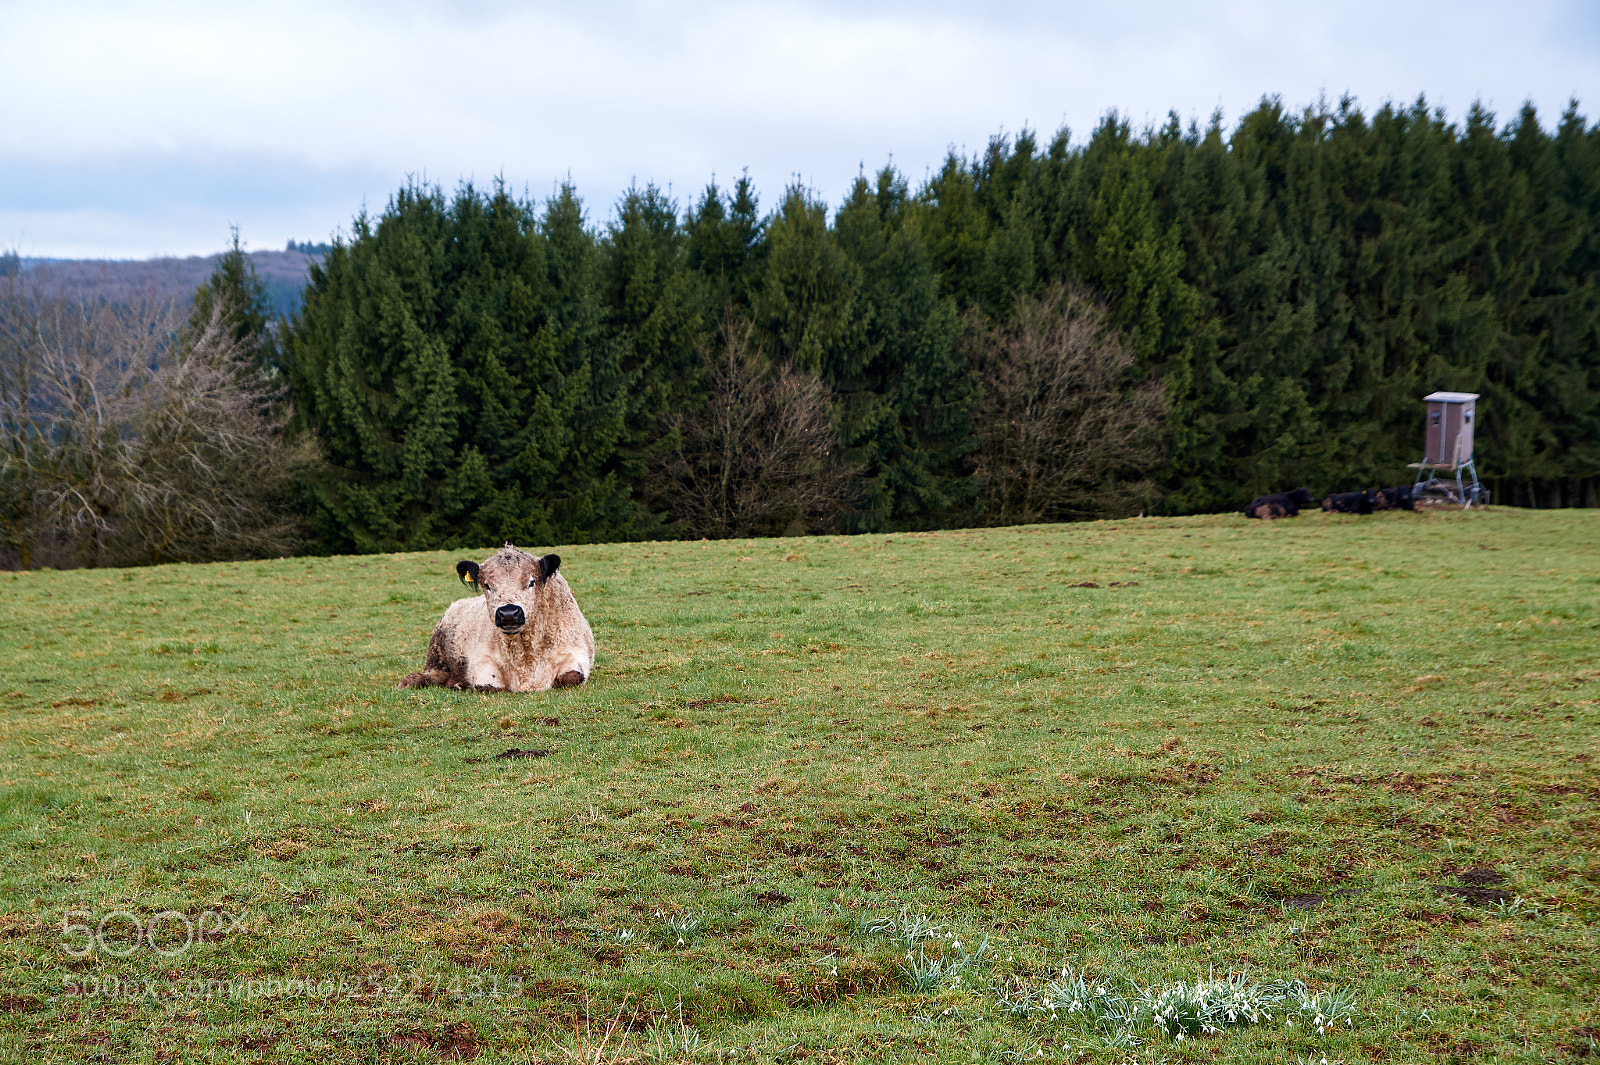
[[121, 933], [422, 987]]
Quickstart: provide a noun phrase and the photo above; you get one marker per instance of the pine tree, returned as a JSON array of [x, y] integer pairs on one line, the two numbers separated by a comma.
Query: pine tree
[[246, 306], [957, 230], [1130, 252], [453, 362], [1570, 301], [905, 393], [726, 244], [807, 303], [657, 306], [1263, 315]]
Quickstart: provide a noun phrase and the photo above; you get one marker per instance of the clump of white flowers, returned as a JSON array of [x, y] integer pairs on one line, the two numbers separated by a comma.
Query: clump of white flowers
[[1208, 1006], [1073, 994], [1178, 1011], [1323, 1010]]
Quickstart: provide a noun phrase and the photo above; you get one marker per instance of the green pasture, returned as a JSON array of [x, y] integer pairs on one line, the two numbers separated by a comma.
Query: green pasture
[[1045, 793]]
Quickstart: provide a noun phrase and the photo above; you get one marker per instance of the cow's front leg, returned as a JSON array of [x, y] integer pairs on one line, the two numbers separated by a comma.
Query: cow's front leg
[[569, 673], [485, 676]]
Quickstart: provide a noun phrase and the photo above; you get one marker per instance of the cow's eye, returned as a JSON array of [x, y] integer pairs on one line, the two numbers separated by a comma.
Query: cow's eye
[[533, 582], [488, 587]]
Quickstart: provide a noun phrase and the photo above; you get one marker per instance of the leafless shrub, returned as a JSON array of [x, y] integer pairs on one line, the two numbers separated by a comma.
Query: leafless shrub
[[1063, 433], [128, 437], [759, 456]]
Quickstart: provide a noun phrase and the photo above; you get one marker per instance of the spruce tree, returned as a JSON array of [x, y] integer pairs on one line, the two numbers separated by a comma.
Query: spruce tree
[[726, 244], [807, 303], [452, 360], [236, 288], [657, 307], [906, 395]]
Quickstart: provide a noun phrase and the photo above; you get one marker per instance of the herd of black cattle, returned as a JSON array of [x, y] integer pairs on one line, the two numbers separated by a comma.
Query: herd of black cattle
[[1288, 504]]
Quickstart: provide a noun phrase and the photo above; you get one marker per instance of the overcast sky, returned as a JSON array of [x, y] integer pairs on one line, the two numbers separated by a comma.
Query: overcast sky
[[130, 130]]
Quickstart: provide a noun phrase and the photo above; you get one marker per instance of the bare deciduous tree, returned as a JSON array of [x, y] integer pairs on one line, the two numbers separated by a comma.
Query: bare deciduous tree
[[759, 456], [1063, 432], [130, 437]]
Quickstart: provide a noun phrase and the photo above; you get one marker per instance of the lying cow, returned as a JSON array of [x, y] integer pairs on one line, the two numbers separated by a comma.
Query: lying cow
[[524, 632], [1400, 497], [1280, 504], [1351, 502]]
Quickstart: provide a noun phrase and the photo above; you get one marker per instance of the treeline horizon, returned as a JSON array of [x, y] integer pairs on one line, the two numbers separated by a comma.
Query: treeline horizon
[[1171, 320], [165, 276]]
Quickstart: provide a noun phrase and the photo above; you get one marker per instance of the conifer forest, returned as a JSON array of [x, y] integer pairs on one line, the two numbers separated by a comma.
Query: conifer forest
[[1170, 320]]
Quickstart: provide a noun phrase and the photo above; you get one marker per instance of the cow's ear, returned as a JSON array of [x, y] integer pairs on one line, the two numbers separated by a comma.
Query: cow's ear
[[468, 572], [548, 565]]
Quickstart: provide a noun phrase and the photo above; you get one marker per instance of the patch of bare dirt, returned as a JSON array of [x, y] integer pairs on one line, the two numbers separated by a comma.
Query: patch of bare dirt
[[1582, 1042], [517, 752], [1475, 886], [698, 704], [459, 1044], [1302, 902]]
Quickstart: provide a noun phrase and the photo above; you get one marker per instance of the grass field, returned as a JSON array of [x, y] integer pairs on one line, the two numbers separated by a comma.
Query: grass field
[[1067, 792]]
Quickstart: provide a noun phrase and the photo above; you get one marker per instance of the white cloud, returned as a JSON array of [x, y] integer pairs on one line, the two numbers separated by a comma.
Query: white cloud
[[343, 100]]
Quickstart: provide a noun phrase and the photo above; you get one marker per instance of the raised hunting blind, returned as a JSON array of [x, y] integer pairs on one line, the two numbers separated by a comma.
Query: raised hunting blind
[[1447, 450]]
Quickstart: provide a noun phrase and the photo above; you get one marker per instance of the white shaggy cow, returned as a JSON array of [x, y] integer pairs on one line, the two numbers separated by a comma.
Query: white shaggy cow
[[523, 632]]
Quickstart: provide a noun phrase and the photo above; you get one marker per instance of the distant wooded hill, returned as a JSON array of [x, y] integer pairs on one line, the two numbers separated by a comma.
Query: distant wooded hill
[[283, 272]]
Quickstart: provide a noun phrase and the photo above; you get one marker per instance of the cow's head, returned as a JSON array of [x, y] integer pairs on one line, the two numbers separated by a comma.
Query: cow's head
[[1397, 498], [1302, 497], [510, 582]]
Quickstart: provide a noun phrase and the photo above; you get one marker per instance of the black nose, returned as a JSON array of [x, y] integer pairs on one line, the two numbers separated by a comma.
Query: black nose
[[509, 616]]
